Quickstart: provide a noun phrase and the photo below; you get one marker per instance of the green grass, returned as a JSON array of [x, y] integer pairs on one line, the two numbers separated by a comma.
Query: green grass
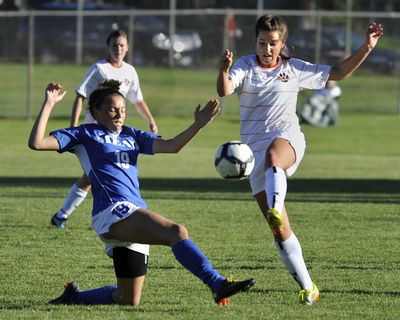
[[343, 203], [174, 92]]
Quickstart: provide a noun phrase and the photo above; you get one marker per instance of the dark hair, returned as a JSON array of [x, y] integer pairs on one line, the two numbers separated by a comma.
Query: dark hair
[[116, 34], [105, 89], [269, 23]]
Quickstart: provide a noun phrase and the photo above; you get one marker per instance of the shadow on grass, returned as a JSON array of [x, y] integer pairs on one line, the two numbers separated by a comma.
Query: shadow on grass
[[322, 190], [221, 185], [325, 291], [364, 292]]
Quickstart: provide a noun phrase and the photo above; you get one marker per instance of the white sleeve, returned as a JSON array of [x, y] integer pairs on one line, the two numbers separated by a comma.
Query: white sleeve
[[90, 82], [237, 73], [135, 93], [311, 76]]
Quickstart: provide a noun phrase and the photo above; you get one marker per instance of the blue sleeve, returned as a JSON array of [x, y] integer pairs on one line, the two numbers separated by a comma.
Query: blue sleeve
[[145, 140], [68, 138]]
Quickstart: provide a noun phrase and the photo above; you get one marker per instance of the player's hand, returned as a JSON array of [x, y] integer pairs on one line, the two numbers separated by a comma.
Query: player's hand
[[204, 116], [54, 92], [153, 127], [374, 32], [226, 60]]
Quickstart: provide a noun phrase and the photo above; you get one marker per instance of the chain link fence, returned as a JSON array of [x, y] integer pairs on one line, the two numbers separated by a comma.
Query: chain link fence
[[185, 38]]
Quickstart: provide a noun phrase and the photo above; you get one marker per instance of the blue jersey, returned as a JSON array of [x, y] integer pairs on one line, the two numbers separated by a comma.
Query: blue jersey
[[109, 160]]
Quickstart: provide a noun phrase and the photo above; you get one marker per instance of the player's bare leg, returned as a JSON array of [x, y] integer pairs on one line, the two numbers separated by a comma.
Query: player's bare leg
[[129, 291], [145, 226], [83, 183]]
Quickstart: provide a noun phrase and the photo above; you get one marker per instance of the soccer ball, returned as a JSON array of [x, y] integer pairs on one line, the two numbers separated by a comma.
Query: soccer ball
[[234, 160]]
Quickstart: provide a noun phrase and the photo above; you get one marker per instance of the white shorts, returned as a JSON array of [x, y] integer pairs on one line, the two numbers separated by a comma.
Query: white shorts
[[102, 222], [257, 176]]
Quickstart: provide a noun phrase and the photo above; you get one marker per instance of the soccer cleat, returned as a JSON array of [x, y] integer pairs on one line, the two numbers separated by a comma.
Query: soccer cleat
[[71, 289], [309, 297], [58, 222], [275, 221], [231, 287]]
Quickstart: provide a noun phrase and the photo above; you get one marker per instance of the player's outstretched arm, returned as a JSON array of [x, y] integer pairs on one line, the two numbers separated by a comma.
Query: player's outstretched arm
[[202, 117], [349, 65], [37, 139], [224, 84]]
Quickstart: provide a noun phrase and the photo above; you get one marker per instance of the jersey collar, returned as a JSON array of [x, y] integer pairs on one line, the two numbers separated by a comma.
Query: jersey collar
[[267, 67]]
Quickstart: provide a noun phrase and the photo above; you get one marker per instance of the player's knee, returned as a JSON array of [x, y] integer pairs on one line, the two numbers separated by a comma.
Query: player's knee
[[180, 232], [272, 158]]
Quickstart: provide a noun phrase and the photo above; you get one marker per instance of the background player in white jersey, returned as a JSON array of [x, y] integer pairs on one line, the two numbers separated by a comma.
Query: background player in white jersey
[[113, 67], [267, 84], [107, 149]]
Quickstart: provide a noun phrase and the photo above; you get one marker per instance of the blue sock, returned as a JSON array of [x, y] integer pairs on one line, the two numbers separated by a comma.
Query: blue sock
[[101, 295], [191, 257]]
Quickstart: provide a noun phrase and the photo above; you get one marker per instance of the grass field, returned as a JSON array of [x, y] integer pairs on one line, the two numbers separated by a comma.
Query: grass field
[[343, 203], [174, 92]]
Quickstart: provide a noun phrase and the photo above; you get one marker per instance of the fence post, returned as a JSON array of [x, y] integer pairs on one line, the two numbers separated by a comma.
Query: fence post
[[172, 28], [348, 44], [260, 8], [318, 35], [131, 35], [79, 32], [31, 58], [398, 95]]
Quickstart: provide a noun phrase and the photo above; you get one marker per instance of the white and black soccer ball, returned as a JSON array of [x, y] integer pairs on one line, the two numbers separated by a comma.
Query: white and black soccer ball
[[234, 160]]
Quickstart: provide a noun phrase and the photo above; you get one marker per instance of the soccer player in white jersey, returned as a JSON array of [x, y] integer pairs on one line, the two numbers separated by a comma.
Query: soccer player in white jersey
[[113, 67], [108, 152], [267, 84]]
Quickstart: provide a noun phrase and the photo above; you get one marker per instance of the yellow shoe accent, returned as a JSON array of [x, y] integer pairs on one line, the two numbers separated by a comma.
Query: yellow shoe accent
[[309, 297], [275, 221]]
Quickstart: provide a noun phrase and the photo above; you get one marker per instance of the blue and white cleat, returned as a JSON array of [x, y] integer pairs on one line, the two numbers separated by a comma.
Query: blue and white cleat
[[60, 223]]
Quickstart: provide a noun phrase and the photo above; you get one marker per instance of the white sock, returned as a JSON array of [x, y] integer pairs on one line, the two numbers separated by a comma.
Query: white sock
[[291, 254], [73, 200], [275, 187]]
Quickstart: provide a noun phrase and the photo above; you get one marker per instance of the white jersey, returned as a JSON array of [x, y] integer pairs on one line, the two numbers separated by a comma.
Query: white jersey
[[268, 96], [103, 70]]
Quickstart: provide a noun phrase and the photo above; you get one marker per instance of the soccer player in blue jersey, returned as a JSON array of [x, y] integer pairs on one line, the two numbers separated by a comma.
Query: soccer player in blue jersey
[[108, 152], [112, 67], [267, 83]]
